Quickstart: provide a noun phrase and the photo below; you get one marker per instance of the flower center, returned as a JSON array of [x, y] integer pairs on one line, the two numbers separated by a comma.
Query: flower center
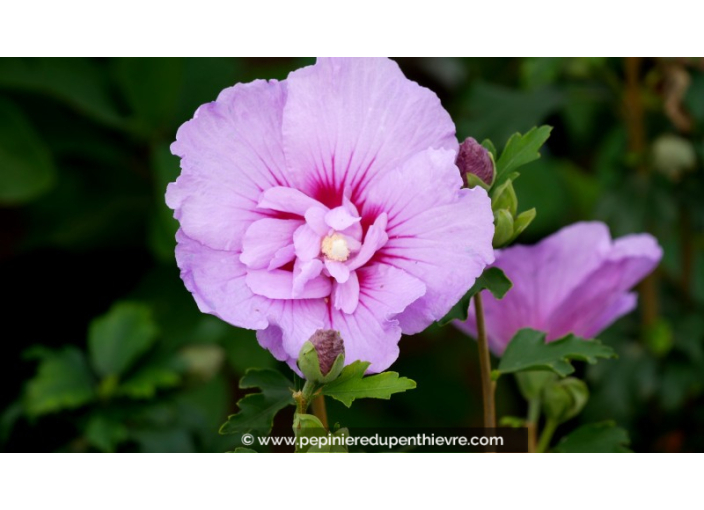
[[335, 247]]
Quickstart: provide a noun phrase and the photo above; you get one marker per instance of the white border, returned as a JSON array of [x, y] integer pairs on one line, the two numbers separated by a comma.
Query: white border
[[174, 481], [360, 28]]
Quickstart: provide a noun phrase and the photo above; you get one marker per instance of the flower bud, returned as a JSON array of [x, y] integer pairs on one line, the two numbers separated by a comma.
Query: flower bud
[[322, 358], [565, 399], [504, 197], [329, 345], [476, 164], [531, 384], [503, 222]]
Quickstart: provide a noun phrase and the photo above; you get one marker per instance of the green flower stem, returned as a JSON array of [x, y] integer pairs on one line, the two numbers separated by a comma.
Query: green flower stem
[[546, 436], [304, 397], [532, 423], [320, 410], [488, 386]]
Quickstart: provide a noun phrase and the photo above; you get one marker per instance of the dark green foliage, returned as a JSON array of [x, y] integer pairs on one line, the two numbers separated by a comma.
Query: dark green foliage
[[84, 162]]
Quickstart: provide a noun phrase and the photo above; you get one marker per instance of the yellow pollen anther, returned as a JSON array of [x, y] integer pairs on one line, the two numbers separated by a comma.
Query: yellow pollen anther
[[335, 248]]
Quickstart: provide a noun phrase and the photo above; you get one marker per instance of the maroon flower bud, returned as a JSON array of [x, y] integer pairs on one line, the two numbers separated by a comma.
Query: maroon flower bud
[[476, 160], [329, 345]]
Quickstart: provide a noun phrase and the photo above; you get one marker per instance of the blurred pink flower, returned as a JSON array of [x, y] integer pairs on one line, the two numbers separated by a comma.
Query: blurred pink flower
[[330, 200], [575, 281]]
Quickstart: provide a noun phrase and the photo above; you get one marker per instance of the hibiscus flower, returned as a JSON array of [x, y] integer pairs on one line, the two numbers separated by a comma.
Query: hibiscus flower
[[574, 281], [330, 200]]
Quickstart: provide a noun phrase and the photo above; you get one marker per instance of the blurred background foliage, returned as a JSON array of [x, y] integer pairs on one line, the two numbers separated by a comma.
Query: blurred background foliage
[[105, 350]]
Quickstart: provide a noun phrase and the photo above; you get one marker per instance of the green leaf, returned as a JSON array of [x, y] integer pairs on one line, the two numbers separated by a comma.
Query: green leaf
[[242, 449], [520, 150], [496, 112], [26, 167], [80, 83], [528, 350], [105, 433], [492, 279], [351, 384], [63, 381], [8, 418], [203, 79], [152, 88], [166, 440], [514, 422], [257, 410], [147, 380], [162, 225], [603, 437], [117, 339]]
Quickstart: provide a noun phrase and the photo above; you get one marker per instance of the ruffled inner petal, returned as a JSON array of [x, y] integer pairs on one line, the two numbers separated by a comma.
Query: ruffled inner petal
[[346, 295], [315, 218], [278, 284], [376, 238], [303, 272], [340, 218], [288, 200], [264, 239], [338, 270], [306, 242], [282, 257]]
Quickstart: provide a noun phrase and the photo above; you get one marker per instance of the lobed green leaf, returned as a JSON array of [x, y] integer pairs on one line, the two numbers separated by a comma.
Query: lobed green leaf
[[520, 150], [352, 384], [603, 437], [63, 381], [117, 339], [26, 167], [257, 410], [528, 350]]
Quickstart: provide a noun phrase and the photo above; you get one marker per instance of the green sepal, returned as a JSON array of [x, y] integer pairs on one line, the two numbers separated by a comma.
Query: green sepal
[[564, 399], [309, 363], [521, 222], [489, 146], [473, 181], [531, 384]]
